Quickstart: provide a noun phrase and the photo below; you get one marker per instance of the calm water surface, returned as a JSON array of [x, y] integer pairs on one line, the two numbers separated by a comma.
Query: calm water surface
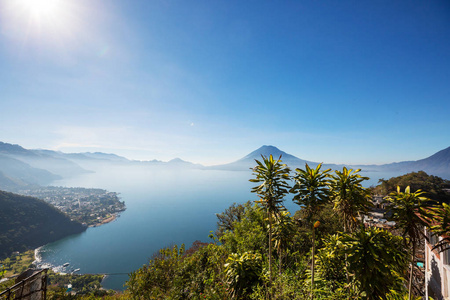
[[164, 207]]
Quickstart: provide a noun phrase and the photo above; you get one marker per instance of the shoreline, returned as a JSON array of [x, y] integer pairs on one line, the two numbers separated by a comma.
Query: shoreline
[[38, 260], [105, 221]]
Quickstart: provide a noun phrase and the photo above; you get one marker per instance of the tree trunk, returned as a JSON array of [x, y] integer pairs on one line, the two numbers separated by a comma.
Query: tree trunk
[[346, 263], [312, 263], [270, 249], [280, 255], [411, 272]]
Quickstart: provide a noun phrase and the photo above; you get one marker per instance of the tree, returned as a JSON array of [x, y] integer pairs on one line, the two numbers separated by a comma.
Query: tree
[[282, 233], [434, 186], [439, 224], [249, 234], [242, 273], [273, 177], [409, 211], [312, 190], [375, 258], [350, 197], [226, 219]]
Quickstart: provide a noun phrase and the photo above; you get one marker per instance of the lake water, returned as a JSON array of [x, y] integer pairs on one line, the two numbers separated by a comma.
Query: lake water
[[164, 207]]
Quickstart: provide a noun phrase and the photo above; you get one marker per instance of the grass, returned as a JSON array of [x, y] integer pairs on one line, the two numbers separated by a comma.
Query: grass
[[16, 264]]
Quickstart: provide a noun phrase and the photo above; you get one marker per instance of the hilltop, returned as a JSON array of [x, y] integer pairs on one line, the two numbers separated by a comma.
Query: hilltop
[[27, 223], [248, 161]]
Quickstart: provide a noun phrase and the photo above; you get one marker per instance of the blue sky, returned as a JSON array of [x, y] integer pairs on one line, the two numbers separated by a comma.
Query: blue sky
[[210, 81]]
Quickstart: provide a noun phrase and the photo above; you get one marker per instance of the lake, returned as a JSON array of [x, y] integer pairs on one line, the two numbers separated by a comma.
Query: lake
[[164, 207]]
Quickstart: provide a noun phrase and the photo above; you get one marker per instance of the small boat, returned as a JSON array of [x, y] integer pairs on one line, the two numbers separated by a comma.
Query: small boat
[[76, 270], [65, 265]]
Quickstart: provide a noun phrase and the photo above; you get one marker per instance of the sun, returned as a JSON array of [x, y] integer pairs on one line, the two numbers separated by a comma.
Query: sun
[[41, 8], [42, 18]]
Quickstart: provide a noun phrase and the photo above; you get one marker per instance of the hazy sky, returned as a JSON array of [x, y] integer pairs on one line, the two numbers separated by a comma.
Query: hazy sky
[[210, 81]]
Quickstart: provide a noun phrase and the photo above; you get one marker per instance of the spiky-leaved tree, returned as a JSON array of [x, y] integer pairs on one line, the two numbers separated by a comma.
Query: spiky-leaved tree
[[272, 176], [375, 257], [409, 211], [311, 190], [439, 224], [283, 230], [350, 197]]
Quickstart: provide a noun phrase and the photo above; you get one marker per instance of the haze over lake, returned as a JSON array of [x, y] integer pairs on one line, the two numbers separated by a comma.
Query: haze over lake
[[165, 206]]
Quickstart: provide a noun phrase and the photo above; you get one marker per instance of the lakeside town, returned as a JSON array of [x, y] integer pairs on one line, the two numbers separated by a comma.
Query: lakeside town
[[89, 206]]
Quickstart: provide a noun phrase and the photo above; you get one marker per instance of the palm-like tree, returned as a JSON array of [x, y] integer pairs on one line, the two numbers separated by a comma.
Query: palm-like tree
[[282, 234], [439, 223], [409, 211], [272, 176], [312, 190], [242, 272], [350, 197], [375, 257]]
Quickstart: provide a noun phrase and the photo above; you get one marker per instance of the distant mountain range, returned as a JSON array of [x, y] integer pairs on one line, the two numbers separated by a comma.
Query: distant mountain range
[[437, 164], [20, 167]]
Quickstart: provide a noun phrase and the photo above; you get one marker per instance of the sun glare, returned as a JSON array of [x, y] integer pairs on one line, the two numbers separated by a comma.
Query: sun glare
[[42, 8], [49, 22]]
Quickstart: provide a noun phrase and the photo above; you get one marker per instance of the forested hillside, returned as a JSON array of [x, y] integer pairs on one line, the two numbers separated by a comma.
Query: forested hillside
[[27, 222], [435, 187]]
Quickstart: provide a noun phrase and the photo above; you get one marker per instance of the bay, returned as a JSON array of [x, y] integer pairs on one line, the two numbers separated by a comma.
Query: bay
[[165, 206]]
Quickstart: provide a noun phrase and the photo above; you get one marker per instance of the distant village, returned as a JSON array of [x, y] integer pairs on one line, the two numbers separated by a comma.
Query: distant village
[[91, 207]]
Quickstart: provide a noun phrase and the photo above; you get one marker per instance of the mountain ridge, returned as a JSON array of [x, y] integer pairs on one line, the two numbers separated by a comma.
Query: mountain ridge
[[436, 164], [36, 168]]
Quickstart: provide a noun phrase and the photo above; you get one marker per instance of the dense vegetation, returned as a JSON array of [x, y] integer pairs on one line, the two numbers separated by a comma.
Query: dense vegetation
[[436, 188], [27, 223], [17, 263], [324, 251]]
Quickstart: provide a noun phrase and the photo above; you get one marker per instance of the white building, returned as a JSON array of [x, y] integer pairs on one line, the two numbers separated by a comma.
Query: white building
[[437, 270]]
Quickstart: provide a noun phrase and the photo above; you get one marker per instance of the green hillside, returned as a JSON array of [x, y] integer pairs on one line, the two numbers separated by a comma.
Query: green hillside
[[27, 222]]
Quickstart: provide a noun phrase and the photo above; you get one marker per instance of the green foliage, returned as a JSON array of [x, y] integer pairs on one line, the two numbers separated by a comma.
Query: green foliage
[[226, 219], [283, 230], [59, 293], [377, 260], [273, 177], [81, 283], [242, 273], [439, 223], [349, 196], [375, 257], [172, 274], [27, 223], [240, 266], [408, 209], [330, 261], [249, 234], [17, 263], [330, 223], [156, 278], [434, 186], [311, 189]]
